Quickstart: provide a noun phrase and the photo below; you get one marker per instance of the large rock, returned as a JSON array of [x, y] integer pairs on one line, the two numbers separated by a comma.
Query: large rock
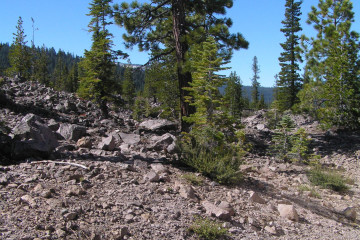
[[71, 131], [33, 138], [157, 125], [213, 210], [130, 139], [108, 143], [159, 143], [288, 211], [254, 197], [350, 213], [5, 149]]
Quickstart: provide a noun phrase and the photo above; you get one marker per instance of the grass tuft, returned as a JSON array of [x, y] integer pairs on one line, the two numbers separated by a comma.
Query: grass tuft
[[193, 179], [207, 229], [328, 178]]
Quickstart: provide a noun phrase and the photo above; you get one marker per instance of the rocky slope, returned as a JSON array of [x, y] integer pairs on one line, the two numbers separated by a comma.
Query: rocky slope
[[84, 177]]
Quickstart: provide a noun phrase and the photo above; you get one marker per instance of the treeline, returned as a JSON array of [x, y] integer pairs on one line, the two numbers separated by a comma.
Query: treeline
[[329, 88], [60, 69]]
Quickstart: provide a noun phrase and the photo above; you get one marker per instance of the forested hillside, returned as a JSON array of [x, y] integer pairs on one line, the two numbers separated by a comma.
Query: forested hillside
[[62, 67]]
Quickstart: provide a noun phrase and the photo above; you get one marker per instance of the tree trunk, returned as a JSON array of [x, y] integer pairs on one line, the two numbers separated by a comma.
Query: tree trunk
[[181, 47]]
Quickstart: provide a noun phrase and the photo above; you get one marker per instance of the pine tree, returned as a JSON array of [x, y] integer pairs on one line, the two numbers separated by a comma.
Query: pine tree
[[72, 82], [255, 84], [41, 72], [161, 87], [19, 55], [333, 64], [209, 147], [289, 82], [98, 64], [233, 95], [128, 86], [262, 104], [204, 89], [166, 27], [60, 74]]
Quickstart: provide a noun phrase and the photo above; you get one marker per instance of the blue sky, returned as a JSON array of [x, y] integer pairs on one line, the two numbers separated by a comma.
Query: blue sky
[[63, 24]]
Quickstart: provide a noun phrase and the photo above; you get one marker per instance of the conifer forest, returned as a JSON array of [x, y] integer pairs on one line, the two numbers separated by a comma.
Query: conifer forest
[[177, 126]]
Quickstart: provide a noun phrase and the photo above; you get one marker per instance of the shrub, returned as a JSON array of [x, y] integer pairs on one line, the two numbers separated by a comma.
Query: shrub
[[206, 150], [208, 229], [300, 146], [327, 178], [141, 108], [289, 146], [282, 138]]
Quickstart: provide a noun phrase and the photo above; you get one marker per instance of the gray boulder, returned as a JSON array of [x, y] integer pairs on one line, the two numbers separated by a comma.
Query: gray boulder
[[130, 139], [107, 143], [32, 138], [159, 143], [71, 131], [157, 125]]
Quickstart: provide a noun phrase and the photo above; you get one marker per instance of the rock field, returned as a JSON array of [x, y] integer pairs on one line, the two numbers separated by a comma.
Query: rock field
[[75, 175]]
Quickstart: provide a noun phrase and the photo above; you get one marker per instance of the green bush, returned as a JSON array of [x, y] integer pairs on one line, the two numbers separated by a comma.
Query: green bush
[[207, 229], [206, 150], [327, 178], [300, 146], [282, 138], [289, 146], [141, 108]]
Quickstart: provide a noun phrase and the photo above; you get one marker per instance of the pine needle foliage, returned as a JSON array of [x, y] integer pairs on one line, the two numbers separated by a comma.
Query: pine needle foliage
[[333, 64], [209, 147], [233, 96], [207, 229], [19, 55], [98, 63], [282, 138], [289, 81], [289, 145], [204, 89]]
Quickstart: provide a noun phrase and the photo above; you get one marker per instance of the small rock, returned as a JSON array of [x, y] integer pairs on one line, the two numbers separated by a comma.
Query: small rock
[[75, 191], [71, 131], [288, 211], [213, 210], [350, 213], [28, 200], [226, 206], [121, 233], [271, 230], [46, 194], [84, 142], [159, 168], [187, 192], [130, 139], [108, 143], [61, 233], [152, 177], [4, 180], [70, 216], [254, 197]]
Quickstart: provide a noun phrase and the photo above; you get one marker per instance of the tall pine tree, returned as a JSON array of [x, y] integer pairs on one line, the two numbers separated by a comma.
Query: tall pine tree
[[98, 63], [233, 95], [204, 89], [165, 27], [128, 86], [19, 55], [333, 64], [255, 94], [289, 81]]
